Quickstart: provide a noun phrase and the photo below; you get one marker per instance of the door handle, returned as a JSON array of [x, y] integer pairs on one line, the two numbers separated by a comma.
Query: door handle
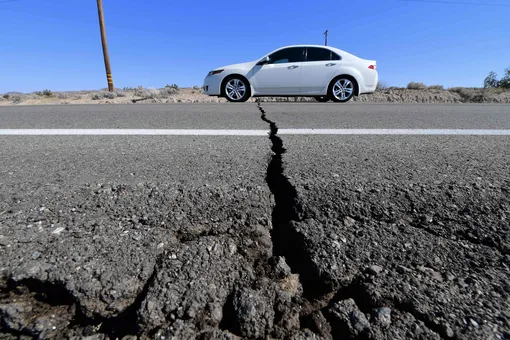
[[330, 64], [292, 67]]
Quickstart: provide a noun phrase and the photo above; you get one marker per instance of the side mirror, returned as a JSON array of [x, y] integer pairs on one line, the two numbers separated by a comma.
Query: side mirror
[[264, 60]]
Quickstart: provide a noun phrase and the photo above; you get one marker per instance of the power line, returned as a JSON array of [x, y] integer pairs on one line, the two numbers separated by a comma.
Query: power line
[[457, 3]]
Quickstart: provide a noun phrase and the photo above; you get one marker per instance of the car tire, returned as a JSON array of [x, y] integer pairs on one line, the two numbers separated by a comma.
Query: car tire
[[342, 89], [322, 99], [235, 89]]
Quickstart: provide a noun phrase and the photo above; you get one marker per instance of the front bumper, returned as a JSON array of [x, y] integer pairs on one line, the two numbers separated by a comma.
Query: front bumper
[[212, 85]]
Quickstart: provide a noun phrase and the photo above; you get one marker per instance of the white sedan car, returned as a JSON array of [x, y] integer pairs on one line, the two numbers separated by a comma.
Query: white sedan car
[[322, 72]]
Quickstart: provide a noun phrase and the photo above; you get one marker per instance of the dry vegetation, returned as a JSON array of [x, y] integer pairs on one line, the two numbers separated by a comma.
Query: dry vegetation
[[414, 93]]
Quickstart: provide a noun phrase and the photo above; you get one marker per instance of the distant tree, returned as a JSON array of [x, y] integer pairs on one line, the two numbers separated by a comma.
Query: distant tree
[[491, 80], [505, 81]]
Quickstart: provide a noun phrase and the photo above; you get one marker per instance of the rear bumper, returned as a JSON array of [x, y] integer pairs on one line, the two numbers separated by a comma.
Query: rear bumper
[[212, 85], [370, 85]]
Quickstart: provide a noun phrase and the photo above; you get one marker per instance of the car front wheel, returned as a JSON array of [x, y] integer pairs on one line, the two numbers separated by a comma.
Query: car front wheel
[[236, 89], [342, 89]]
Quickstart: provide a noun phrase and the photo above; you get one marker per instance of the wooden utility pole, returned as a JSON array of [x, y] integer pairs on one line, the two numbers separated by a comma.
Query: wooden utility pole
[[326, 38], [105, 46]]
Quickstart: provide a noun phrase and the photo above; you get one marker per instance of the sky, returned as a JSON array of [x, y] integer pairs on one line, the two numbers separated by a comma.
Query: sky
[[56, 44]]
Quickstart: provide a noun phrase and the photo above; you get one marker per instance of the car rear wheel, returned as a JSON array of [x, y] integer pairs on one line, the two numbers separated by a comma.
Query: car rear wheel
[[321, 99], [342, 89], [236, 89]]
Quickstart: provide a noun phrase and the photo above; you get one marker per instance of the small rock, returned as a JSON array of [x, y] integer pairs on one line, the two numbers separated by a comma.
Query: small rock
[[98, 336], [402, 270], [348, 318], [320, 325], [426, 219], [415, 281], [474, 323], [282, 268], [3, 240], [382, 316], [375, 269], [36, 255], [253, 313], [349, 221], [130, 337], [449, 331], [58, 230], [431, 272], [436, 276]]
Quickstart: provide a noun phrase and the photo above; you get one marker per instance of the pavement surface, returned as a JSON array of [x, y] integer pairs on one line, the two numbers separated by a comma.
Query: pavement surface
[[226, 237]]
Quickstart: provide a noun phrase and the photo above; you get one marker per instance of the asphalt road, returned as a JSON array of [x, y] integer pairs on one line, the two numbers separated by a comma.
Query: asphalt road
[[297, 236]]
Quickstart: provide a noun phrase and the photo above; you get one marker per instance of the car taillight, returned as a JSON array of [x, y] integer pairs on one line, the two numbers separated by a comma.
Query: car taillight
[[372, 67]]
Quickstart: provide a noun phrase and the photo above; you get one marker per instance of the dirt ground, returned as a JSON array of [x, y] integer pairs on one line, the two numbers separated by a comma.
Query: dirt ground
[[170, 95]]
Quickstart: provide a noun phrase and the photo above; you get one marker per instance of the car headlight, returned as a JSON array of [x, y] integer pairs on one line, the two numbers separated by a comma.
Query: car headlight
[[214, 72]]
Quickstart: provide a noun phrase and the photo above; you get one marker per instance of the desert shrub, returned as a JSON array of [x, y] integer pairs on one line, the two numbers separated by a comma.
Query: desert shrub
[[39, 93], [168, 91], [47, 93], [61, 95], [16, 99], [103, 94], [472, 95], [120, 93], [152, 92], [381, 86], [436, 87], [128, 88], [416, 86], [141, 92], [6, 96], [196, 87], [174, 86]]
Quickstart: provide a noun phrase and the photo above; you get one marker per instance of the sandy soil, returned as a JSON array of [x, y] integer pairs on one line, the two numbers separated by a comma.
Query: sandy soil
[[195, 95]]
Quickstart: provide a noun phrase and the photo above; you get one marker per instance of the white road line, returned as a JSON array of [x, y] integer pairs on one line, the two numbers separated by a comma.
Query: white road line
[[131, 132], [466, 132], [211, 132]]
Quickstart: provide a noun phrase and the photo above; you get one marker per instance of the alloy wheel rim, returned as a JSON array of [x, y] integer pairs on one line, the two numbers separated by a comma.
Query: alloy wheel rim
[[343, 89], [235, 89]]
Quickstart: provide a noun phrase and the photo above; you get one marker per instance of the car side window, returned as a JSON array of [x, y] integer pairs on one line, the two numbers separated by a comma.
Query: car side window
[[318, 54], [287, 55]]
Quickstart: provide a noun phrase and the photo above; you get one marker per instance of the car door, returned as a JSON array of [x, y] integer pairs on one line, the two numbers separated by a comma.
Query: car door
[[281, 74], [318, 69]]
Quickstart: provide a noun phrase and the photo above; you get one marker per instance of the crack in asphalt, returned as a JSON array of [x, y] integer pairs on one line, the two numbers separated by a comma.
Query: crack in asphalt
[[287, 243]]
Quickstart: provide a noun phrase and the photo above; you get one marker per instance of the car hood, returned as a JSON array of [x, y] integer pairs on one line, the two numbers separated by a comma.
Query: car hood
[[243, 66]]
